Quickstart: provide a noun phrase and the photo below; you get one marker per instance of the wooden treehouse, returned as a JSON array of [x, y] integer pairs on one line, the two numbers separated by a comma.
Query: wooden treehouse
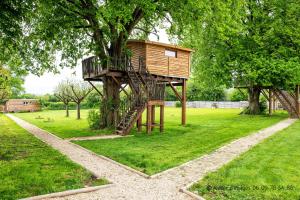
[[151, 67]]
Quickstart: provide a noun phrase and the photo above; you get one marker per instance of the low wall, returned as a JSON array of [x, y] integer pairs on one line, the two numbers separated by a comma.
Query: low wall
[[211, 104]]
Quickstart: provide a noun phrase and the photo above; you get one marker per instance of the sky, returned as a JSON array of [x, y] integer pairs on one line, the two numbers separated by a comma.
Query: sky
[[46, 83]]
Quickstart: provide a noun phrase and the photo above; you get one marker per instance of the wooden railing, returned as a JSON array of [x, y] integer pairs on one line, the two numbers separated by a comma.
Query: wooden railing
[[93, 66], [144, 88]]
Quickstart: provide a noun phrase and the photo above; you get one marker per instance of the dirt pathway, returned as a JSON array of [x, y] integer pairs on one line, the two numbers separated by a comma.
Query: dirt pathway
[[166, 185]]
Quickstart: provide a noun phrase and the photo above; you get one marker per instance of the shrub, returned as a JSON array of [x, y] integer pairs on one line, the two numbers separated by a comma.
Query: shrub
[[262, 107], [94, 119], [178, 104], [236, 95], [60, 106]]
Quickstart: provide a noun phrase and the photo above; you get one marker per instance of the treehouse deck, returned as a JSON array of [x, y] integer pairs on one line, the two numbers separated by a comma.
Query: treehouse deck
[[151, 67]]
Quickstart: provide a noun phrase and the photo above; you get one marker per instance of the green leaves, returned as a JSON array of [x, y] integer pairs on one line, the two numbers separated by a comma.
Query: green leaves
[[248, 43]]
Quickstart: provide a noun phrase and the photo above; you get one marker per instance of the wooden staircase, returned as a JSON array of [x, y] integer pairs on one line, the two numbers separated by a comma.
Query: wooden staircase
[[144, 88], [288, 102]]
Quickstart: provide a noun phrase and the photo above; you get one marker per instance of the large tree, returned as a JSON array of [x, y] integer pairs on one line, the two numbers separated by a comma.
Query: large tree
[[250, 43], [71, 29]]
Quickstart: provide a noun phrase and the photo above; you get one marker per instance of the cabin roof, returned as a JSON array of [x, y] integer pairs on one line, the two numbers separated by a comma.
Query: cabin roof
[[161, 44]]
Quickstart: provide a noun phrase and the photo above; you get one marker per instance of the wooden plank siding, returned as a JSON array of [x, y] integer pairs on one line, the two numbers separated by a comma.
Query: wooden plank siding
[[156, 60], [138, 50], [22, 105]]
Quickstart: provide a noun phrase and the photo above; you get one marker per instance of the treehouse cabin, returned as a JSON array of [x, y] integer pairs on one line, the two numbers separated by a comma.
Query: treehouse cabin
[[150, 68], [21, 105]]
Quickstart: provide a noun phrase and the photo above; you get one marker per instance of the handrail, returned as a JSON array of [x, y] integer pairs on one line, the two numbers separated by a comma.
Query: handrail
[[93, 66]]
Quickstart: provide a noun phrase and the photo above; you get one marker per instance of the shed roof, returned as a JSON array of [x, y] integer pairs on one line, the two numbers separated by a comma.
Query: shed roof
[[161, 44]]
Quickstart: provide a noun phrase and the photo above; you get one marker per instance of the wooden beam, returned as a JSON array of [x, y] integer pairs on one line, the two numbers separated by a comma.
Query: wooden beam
[[123, 88], [183, 103], [118, 82], [152, 116], [95, 88], [161, 120], [148, 119], [176, 92], [156, 102], [265, 94]]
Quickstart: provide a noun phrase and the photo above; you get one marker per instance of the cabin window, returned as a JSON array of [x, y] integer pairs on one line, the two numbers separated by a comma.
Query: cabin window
[[171, 53]]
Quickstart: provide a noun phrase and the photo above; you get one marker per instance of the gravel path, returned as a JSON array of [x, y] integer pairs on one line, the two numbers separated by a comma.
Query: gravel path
[[166, 185]]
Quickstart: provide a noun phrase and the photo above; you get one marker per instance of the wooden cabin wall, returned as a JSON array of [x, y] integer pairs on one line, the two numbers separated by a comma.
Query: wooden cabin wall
[[158, 63], [138, 50], [18, 106]]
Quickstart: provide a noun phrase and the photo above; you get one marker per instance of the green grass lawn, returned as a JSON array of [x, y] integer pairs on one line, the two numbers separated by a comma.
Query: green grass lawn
[[269, 170], [206, 130], [55, 122], [28, 167]]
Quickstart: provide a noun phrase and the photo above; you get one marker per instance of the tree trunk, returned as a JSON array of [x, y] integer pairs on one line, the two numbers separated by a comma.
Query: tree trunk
[[111, 101], [67, 110], [254, 93], [78, 110]]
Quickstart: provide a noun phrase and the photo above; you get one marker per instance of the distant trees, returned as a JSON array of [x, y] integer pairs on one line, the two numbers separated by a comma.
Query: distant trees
[[78, 91], [72, 91], [62, 92]]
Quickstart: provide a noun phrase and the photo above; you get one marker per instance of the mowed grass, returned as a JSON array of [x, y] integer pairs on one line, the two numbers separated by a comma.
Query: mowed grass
[[270, 170], [28, 167], [55, 122], [206, 130]]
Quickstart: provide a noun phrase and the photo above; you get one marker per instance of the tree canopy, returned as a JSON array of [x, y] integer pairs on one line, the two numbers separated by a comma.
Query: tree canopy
[[71, 29], [248, 43]]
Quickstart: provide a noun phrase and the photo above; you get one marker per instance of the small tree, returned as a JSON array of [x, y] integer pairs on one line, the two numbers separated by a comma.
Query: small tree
[[79, 90], [62, 92]]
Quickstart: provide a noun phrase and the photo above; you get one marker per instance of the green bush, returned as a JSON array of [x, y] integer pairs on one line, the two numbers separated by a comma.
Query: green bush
[[59, 106], [178, 104], [94, 119], [236, 95], [262, 107]]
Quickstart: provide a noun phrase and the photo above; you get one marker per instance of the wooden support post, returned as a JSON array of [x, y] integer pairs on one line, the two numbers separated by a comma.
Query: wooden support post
[[183, 96], [152, 117], [149, 118], [139, 123], [297, 100], [161, 120], [270, 102]]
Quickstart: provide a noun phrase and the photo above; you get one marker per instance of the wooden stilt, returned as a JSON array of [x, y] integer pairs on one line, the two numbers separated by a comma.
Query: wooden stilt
[[139, 123], [152, 117], [270, 102], [161, 120], [149, 118], [183, 96]]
